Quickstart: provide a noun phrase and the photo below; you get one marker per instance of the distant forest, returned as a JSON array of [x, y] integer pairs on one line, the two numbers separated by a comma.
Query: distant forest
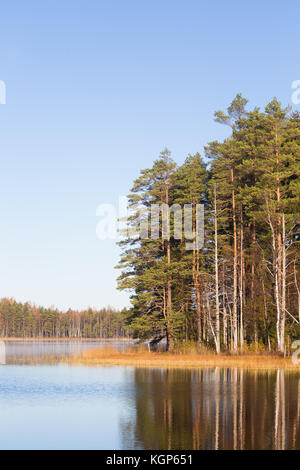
[[243, 288], [23, 320]]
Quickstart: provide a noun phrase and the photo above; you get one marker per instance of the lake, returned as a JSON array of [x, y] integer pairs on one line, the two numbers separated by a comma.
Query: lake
[[45, 404]]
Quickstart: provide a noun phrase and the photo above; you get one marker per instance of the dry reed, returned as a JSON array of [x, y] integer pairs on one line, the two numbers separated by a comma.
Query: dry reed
[[142, 358]]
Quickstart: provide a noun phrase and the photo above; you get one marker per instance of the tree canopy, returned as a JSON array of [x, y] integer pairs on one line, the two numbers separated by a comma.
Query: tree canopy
[[243, 287]]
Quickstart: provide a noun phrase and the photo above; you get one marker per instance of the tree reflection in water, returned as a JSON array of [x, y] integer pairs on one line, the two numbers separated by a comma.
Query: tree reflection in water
[[214, 409]]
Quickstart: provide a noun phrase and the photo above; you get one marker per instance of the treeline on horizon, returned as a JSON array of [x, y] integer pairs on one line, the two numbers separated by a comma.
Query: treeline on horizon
[[242, 289], [23, 320]]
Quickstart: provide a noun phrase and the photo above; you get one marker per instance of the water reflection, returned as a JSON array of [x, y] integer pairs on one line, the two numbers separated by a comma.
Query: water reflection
[[129, 408], [215, 409], [48, 352]]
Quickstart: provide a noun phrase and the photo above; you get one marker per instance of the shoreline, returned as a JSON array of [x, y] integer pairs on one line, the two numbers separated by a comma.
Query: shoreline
[[131, 357], [97, 357], [66, 340]]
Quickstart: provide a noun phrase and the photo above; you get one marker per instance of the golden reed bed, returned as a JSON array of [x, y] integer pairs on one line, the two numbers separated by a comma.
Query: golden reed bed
[[140, 358], [94, 340]]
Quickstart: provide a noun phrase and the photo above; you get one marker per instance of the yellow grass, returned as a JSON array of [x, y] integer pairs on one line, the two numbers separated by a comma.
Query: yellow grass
[[142, 358], [99, 340]]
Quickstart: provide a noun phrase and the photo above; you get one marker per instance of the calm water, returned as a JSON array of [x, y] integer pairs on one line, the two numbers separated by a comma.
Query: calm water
[[19, 352], [49, 405]]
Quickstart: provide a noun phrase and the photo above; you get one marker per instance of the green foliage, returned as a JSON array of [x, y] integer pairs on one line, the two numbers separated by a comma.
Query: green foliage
[[255, 174], [27, 321]]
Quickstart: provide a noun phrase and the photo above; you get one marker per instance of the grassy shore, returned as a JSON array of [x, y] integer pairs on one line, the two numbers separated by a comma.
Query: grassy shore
[[140, 358]]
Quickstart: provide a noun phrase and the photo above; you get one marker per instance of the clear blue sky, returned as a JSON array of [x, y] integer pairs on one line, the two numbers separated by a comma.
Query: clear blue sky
[[95, 90]]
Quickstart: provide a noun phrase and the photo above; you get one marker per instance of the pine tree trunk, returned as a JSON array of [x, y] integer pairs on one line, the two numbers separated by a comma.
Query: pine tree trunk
[[297, 288], [216, 275], [253, 303], [242, 282], [276, 277], [235, 265], [169, 283], [225, 340], [199, 323], [281, 283], [283, 289], [197, 289]]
